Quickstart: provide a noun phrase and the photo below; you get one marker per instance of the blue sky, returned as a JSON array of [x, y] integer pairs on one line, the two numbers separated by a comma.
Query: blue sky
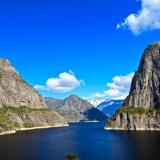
[[46, 38]]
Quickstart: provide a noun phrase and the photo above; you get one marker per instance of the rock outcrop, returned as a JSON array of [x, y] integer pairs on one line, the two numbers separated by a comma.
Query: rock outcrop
[[145, 87], [75, 109], [141, 107], [15, 91], [134, 119], [21, 106]]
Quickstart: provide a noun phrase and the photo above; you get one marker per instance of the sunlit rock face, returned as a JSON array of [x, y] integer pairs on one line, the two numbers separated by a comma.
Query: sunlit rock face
[[21, 106], [140, 110], [15, 91], [145, 87]]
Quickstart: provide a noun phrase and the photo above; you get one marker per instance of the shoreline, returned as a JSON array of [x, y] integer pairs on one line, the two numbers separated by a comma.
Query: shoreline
[[28, 129], [84, 121], [137, 129], [90, 121]]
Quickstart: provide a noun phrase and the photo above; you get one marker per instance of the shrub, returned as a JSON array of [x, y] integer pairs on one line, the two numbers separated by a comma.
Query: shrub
[[72, 156], [134, 111], [28, 124], [16, 124]]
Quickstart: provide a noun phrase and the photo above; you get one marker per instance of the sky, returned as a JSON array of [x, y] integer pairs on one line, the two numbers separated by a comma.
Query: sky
[[86, 47]]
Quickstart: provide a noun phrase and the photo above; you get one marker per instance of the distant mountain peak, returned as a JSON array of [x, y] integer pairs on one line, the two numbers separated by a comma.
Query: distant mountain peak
[[73, 96], [109, 106], [96, 101], [74, 108]]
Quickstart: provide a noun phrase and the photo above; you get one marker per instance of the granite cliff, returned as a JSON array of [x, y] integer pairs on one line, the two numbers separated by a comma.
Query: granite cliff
[[21, 106], [15, 91], [141, 109]]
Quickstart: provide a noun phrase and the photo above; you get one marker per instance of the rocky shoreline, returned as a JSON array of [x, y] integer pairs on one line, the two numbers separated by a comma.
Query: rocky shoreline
[[134, 119], [137, 129], [141, 108]]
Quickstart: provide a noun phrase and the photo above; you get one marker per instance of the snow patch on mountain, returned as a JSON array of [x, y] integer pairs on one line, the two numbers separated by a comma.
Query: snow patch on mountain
[[109, 107], [96, 101]]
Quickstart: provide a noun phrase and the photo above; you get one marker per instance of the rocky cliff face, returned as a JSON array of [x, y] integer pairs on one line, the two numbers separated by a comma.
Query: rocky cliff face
[[74, 109], [15, 91], [141, 107], [21, 106], [145, 87], [128, 119]]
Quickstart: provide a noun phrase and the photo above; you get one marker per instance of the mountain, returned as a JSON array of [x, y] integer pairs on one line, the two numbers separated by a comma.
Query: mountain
[[96, 101], [141, 109], [109, 107], [21, 106], [75, 109], [15, 91]]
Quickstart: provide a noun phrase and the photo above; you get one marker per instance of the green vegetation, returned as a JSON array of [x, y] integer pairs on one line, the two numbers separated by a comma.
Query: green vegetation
[[72, 156], [21, 110], [7, 123], [130, 110], [16, 125], [28, 124], [134, 111]]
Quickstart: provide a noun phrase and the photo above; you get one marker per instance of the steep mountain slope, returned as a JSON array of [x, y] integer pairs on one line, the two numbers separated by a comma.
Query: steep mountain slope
[[141, 109], [109, 107], [15, 91], [96, 101], [145, 87], [21, 104], [73, 108]]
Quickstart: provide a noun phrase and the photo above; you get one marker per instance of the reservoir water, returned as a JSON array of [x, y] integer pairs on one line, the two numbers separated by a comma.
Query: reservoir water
[[89, 140]]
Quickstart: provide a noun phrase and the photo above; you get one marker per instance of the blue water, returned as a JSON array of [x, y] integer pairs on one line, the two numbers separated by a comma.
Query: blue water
[[89, 140]]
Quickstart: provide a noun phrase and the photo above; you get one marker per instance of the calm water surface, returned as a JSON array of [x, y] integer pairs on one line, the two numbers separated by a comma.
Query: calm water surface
[[89, 140]]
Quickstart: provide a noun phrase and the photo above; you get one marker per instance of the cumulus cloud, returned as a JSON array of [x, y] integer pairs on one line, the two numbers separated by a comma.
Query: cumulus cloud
[[66, 82], [119, 87], [147, 18]]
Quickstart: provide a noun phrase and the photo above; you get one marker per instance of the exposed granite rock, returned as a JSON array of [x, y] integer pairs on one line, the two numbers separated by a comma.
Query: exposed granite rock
[[144, 94], [75, 109], [15, 91], [145, 87], [128, 121], [21, 106]]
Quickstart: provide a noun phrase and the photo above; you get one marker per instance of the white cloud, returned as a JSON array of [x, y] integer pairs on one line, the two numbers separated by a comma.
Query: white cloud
[[147, 18], [97, 95], [39, 87], [119, 87], [66, 82]]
